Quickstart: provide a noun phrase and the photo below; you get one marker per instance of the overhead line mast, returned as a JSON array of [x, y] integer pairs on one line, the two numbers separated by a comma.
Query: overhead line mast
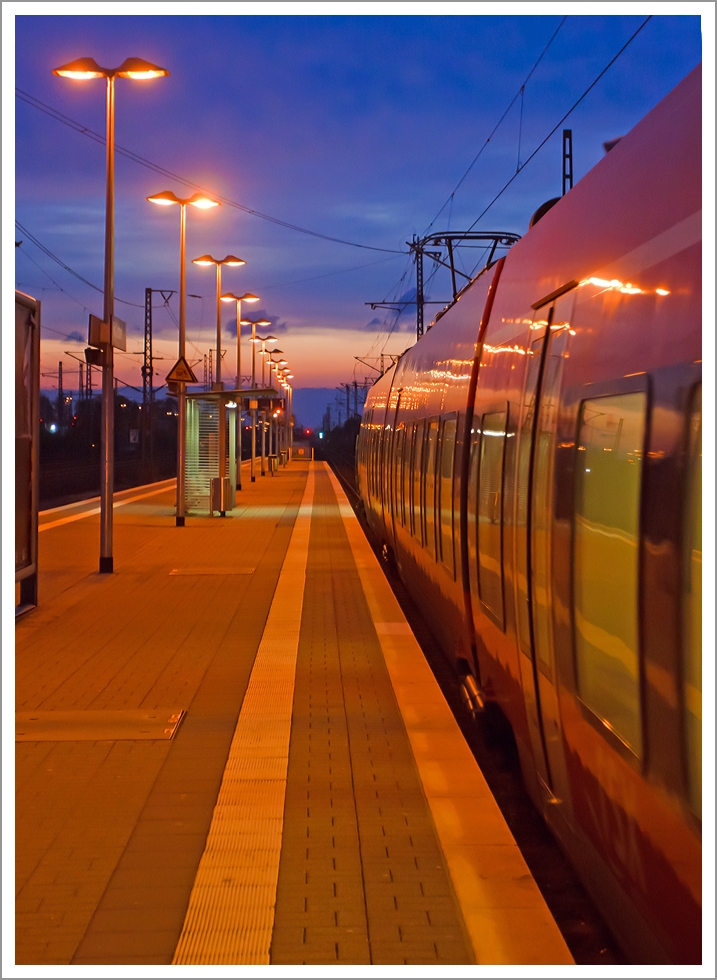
[[451, 241]]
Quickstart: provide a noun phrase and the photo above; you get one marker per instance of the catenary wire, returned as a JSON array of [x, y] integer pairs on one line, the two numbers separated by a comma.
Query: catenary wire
[[497, 125], [556, 127], [560, 122], [142, 161]]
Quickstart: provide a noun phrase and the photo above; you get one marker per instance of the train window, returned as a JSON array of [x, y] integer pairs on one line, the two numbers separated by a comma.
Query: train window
[[692, 609], [445, 493], [606, 560], [417, 468], [490, 513], [398, 453], [429, 487], [408, 450]]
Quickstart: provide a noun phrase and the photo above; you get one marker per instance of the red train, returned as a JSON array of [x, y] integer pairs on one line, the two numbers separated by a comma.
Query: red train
[[534, 465]]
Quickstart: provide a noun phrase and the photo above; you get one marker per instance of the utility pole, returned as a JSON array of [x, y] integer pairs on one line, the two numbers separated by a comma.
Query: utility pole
[[567, 160], [60, 397], [148, 383], [419, 296], [485, 241]]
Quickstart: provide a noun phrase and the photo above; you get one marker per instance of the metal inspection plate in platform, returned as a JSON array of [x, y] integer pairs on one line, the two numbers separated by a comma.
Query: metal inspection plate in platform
[[213, 570], [96, 726]]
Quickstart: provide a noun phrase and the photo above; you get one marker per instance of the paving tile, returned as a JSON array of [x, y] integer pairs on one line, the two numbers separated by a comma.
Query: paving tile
[[161, 897], [119, 947]]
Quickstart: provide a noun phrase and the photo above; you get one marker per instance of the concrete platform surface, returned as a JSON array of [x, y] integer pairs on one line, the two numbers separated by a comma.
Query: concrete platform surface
[[305, 796]]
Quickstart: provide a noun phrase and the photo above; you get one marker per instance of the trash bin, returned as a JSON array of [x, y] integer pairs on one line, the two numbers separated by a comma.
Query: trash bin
[[222, 495], [273, 463], [284, 456]]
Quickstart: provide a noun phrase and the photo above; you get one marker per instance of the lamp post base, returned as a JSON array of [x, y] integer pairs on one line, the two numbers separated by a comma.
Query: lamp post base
[[106, 565], [179, 521]]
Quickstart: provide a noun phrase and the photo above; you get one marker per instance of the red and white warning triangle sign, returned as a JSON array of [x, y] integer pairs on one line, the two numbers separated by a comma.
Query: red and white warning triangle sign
[[181, 372]]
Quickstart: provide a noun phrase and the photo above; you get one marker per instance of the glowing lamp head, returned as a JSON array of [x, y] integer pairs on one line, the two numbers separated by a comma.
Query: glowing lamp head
[[232, 260], [249, 298], [165, 198], [204, 260], [134, 68], [202, 202], [82, 69], [140, 70]]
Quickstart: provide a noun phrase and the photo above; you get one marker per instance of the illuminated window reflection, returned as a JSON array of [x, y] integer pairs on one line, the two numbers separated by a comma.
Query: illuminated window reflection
[[606, 560]]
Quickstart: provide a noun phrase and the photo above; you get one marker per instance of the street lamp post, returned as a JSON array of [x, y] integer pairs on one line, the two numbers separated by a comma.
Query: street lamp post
[[201, 201], [264, 341], [274, 366], [137, 70], [254, 341], [289, 414], [218, 385], [246, 298]]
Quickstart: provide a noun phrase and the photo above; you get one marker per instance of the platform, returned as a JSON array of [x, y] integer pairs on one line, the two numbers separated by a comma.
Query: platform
[[241, 756]]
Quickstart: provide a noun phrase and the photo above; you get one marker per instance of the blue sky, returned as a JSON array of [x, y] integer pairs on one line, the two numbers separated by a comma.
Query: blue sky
[[355, 127]]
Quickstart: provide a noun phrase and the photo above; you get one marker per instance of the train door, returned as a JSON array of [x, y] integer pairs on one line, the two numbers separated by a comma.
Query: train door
[[534, 500]]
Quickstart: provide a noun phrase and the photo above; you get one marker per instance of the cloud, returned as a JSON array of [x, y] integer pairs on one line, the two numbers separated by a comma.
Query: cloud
[[277, 326], [76, 335], [375, 325]]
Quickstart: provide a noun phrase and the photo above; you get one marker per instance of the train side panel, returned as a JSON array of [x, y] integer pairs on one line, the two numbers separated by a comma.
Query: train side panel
[[579, 520]]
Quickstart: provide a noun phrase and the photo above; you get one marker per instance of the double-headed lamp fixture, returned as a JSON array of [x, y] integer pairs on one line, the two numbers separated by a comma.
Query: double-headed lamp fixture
[[257, 323], [210, 260], [134, 68], [202, 201], [246, 298]]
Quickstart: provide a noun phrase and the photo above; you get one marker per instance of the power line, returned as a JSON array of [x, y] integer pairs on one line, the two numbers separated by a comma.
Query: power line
[[325, 275], [43, 248], [497, 125], [543, 142], [560, 122], [54, 281], [142, 161]]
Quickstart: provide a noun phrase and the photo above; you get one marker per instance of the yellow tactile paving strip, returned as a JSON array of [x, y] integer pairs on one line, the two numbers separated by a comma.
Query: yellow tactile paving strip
[[231, 908], [506, 916]]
